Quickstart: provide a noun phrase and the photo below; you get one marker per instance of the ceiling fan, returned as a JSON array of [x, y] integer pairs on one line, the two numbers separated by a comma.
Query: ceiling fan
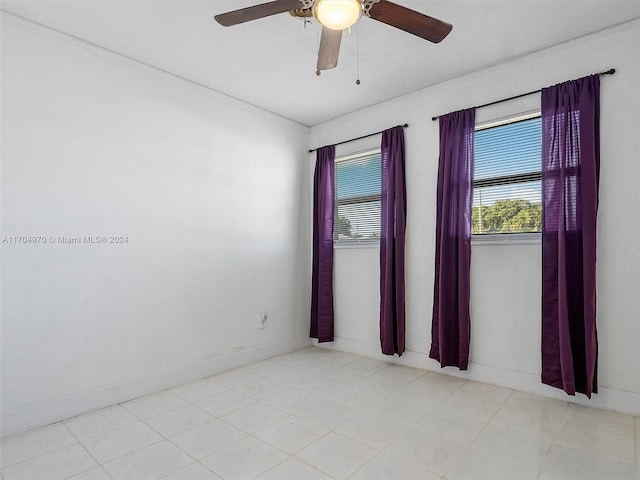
[[338, 15]]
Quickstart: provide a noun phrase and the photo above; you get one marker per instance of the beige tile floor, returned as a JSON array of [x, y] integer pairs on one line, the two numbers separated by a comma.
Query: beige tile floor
[[318, 414]]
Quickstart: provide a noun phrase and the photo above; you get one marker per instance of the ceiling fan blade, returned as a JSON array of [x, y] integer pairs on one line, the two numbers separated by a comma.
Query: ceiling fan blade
[[256, 11], [410, 21], [329, 48]]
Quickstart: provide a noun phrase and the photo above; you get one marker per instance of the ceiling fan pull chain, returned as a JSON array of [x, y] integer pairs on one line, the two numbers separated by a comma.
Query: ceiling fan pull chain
[[318, 44], [357, 55]]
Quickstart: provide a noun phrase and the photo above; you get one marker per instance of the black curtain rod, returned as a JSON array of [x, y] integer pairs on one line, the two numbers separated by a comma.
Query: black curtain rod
[[360, 138], [608, 72]]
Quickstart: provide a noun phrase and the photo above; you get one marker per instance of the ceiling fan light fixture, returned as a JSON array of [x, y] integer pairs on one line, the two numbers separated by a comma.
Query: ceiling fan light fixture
[[337, 14]]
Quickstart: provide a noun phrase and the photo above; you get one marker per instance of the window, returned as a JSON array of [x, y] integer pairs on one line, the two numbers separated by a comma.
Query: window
[[358, 182], [507, 177]]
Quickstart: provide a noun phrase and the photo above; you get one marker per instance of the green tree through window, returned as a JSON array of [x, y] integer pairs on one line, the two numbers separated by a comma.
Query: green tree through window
[[507, 216]]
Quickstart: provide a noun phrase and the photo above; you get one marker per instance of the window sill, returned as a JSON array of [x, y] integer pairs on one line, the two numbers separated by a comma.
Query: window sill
[[506, 239]]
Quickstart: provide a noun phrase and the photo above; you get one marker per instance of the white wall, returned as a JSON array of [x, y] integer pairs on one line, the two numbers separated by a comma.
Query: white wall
[[505, 303], [211, 193]]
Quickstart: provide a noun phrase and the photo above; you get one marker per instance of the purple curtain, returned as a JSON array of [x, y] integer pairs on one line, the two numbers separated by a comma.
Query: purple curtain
[[450, 327], [570, 173], [322, 275], [393, 219]]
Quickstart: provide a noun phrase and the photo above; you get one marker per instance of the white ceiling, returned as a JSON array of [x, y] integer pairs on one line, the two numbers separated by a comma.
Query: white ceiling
[[270, 62]]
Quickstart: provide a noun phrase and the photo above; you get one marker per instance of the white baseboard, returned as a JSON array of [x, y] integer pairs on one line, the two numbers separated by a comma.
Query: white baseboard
[[606, 398], [35, 416]]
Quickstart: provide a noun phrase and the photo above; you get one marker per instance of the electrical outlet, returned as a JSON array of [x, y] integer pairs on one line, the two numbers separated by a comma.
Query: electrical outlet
[[263, 320]]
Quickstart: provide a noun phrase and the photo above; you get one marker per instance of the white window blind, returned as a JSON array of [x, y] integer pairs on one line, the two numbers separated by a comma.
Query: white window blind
[[507, 178], [358, 183]]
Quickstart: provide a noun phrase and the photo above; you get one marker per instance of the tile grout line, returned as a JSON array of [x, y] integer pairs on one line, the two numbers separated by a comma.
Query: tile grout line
[[24, 434], [556, 432], [467, 447], [252, 435], [311, 361], [636, 445], [99, 464], [294, 455]]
